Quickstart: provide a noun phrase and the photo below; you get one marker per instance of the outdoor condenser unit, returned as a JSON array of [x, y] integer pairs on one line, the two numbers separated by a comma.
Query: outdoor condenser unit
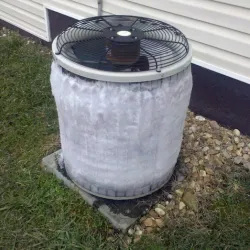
[[122, 87]]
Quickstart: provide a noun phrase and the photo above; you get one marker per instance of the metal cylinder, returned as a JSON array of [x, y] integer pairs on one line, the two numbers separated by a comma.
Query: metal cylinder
[[121, 140]]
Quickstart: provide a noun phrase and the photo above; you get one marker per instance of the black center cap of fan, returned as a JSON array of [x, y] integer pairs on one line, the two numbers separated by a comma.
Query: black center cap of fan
[[123, 34]]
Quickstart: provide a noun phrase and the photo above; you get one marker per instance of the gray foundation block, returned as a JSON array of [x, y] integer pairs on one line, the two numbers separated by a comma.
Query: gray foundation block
[[118, 220], [121, 213]]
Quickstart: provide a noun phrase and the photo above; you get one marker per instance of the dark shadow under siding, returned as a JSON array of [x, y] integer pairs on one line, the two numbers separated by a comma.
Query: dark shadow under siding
[[59, 22], [221, 98]]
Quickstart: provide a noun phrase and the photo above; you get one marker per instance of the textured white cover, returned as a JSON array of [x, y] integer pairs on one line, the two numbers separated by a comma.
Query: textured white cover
[[121, 139]]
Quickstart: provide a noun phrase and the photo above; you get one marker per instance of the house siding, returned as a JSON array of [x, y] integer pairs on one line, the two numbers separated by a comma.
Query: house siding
[[219, 30]]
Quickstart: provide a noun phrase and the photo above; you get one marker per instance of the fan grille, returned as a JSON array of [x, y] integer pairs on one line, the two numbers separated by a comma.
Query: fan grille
[[145, 44]]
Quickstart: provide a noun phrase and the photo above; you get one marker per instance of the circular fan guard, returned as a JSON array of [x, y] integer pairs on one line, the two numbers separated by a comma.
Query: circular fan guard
[[123, 43]]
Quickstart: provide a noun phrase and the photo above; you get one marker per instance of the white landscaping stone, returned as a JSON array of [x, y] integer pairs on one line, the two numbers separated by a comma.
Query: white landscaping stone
[[170, 196], [160, 211], [205, 149], [207, 135], [230, 148], [209, 171], [236, 132], [236, 140], [214, 125], [217, 142], [131, 231], [226, 154], [160, 206], [193, 128], [181, 205], [137, 228], [238, 152], [203, 173], [237, 160], [241, 145], [179, 192], [247, 165], [139, 233], [246, 157], [200, 118], [201, 162]]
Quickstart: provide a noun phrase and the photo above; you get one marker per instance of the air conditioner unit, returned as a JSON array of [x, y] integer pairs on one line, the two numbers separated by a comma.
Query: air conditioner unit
[[122, 86]]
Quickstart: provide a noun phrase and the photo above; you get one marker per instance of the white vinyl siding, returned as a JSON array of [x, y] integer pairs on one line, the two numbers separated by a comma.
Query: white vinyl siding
[[73, 7], [28, 6], [219, 30], [240, 3], [24, 14]]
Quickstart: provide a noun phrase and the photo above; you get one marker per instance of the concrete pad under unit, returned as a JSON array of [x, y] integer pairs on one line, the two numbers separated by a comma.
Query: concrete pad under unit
[[121, 213]]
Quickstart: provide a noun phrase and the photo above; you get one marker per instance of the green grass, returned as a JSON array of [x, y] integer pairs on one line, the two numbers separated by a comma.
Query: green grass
[[38, 212]]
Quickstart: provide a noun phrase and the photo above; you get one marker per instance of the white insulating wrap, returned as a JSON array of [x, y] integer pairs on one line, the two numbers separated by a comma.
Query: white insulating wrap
[[120, 140]]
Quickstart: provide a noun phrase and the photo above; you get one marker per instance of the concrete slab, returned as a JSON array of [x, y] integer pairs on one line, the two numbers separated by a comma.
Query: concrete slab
[[121, 214]]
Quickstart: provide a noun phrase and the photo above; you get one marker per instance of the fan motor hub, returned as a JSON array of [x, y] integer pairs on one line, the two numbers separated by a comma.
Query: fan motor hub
[[123, 34]]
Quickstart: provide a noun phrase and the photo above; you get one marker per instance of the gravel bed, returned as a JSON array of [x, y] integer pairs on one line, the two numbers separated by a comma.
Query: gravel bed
[[210, 154]]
